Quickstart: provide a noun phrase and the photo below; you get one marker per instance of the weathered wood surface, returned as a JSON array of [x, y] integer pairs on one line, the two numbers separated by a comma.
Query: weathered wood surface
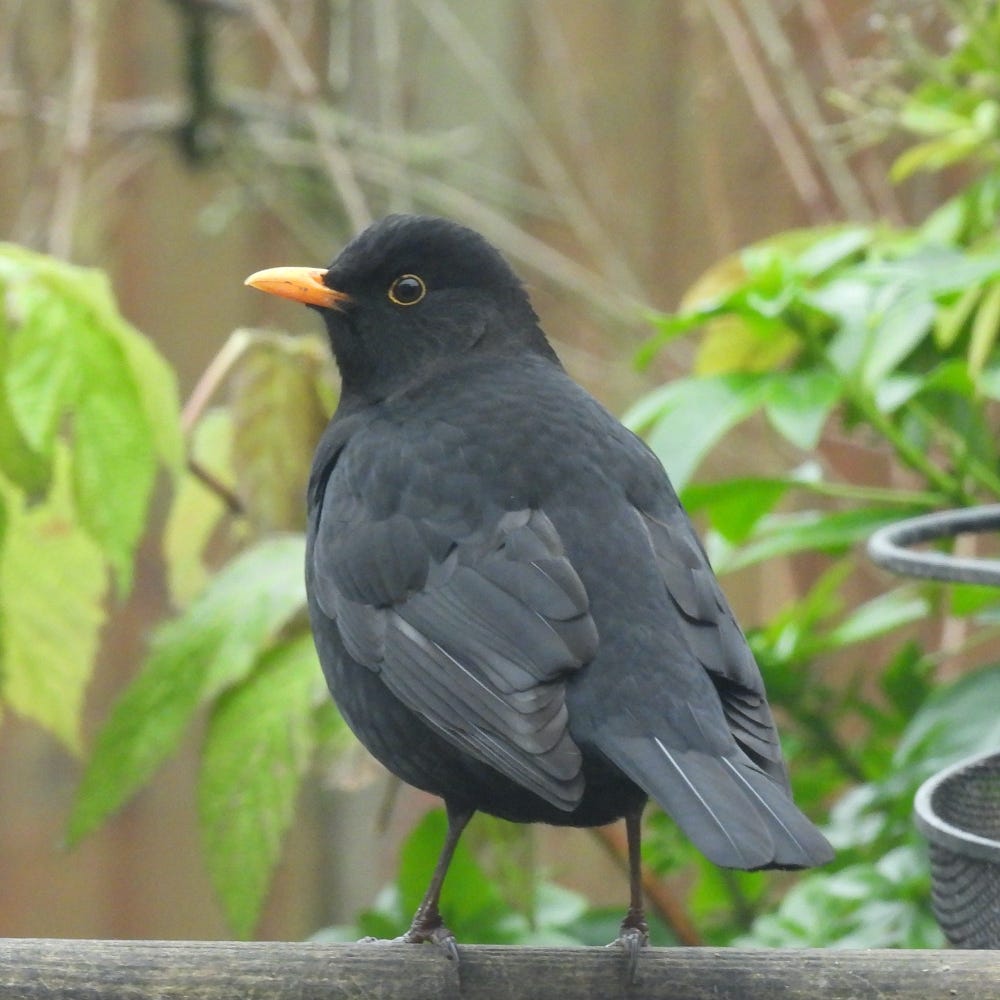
[[38, 969]]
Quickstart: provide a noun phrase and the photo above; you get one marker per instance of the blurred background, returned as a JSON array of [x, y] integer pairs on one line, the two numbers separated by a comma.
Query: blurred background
[[614, 151]]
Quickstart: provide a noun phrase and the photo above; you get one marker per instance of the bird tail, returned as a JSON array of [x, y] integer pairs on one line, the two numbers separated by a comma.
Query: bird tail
[[737, 816]]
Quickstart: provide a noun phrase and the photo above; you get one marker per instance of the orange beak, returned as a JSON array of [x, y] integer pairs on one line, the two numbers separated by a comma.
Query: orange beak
[[303, 284]]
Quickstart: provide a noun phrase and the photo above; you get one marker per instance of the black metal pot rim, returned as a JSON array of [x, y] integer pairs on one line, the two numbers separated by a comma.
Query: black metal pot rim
[[887, 546], [941, 832]]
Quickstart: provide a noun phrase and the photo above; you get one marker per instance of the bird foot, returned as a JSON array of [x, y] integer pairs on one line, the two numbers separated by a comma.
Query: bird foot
[[633, 936], [439, 936], [423, 932]]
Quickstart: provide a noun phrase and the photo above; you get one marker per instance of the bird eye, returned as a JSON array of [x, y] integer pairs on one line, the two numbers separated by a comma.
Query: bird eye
[[407, 290]]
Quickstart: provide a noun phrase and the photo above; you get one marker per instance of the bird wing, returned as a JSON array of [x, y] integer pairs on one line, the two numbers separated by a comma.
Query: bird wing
[[703, 743], [714, 637], [473, 628]]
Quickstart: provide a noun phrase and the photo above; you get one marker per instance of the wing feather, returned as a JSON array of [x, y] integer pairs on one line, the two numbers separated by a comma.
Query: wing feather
[[475, 630]]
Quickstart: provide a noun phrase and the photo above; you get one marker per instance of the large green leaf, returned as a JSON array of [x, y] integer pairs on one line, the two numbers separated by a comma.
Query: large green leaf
[[891, 610], [786, 534], [955, 721], [75, 368], [52, 580], [257, 748], [212, 646], [734, 506], [684, 419], [799, 403]]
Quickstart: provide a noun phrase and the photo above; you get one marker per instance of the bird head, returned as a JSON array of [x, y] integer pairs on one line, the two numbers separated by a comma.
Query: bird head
[[409, 295]]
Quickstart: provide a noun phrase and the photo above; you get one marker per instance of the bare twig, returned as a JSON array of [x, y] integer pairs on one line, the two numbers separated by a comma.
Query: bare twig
[[515, 116], [802, 100], [786, 143], [838, 65], [574, 115], [593, 288], [337, 162], [212, 378], [215, 485], [79, 113], [386, 17]]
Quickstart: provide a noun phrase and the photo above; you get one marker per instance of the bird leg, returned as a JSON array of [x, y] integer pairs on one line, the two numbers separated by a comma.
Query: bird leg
[[633, 933], [427, 924]]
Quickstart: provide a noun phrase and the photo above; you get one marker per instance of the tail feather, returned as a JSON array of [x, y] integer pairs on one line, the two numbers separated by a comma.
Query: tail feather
[[735, 814]]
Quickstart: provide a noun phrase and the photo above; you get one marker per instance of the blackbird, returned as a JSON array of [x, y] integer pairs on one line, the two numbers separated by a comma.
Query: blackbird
[[511, 607]]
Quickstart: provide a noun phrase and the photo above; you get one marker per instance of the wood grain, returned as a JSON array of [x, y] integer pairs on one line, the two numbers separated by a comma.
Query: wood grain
[[39, 969]]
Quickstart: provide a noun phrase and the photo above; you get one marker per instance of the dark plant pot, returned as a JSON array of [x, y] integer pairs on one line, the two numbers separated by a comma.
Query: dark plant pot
[[957, 810]]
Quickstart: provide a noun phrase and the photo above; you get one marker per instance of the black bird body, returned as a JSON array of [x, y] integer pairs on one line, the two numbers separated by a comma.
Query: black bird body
[[511, 608]]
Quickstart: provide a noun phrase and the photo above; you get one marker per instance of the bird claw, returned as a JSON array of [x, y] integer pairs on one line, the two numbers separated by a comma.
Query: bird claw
[[438, 935], [632, 937]]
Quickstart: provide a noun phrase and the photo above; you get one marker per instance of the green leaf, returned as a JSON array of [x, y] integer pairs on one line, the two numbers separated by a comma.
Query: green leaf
[[833, 250], [76, 369], [256, 751], [971, 598], [880, 905], [906, 321], [955, 721], [212, 646], [42, 377], [935, 154], [113, 473], [799, 403], [745, 343], [951, 319], [53, 580], [686, 418], [22, 464], [734, 506], [930, 119], [882, 614], [786, 534]]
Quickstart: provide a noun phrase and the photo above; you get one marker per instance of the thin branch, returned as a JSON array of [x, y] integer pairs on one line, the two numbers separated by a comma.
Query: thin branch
[[838, 65], [79, 112], [802, 100], [386, 17], [212, 378], [212, 482], [768, 109], [296, 66], [512, 111]]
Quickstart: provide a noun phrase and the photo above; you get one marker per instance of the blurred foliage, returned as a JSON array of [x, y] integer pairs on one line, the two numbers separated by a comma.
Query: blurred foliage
[[887, 337], [88, 412]]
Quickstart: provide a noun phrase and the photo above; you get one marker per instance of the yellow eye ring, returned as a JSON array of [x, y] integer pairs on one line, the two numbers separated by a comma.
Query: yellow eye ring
[[407, 290]]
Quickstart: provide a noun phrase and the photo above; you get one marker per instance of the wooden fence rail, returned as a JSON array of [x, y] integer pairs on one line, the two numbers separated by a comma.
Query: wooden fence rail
[[37, 969]]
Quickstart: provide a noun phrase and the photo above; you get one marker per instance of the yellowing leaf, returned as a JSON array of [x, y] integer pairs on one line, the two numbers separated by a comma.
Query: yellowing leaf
[[985, 328], [278, 417], [197, 511], [731, 344], [53, 579]]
